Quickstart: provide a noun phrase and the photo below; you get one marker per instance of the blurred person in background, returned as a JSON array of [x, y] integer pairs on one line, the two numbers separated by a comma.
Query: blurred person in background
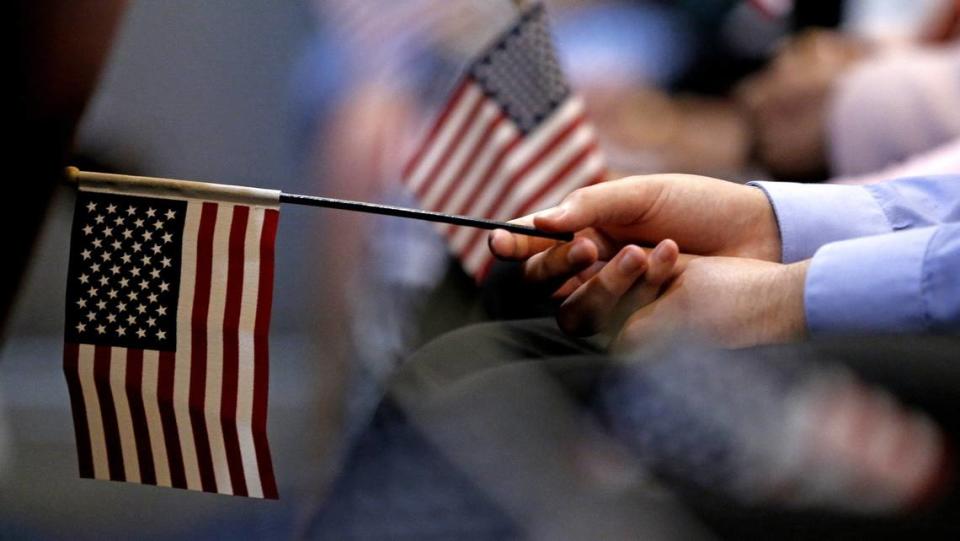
[[410, 444], [496, 422], [55, 73], [832, 104], [808, 113], [892, 107], [689, 122], [55, 70]]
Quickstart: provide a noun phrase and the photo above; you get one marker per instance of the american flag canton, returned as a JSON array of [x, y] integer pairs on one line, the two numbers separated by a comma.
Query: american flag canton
[[124, 274], [521, 72], [512, 138]]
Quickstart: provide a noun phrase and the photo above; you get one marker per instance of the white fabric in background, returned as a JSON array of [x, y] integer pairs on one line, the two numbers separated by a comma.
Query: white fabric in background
[[894, 106]]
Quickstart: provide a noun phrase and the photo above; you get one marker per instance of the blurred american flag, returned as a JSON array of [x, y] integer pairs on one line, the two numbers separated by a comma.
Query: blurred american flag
[[511, 139]]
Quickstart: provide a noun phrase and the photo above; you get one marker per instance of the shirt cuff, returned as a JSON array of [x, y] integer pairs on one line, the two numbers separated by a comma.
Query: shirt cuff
[[811, 216], [868, 285]]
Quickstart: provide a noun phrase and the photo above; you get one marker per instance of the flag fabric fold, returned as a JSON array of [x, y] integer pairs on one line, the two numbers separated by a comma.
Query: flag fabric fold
[[511, 139], [166, 358]]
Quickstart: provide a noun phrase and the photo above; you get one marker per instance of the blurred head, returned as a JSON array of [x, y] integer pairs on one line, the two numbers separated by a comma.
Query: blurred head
[[786, 103]]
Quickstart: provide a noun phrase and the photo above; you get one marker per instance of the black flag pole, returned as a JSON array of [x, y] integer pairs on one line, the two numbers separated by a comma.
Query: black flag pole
[[417, 214], [186, 187]]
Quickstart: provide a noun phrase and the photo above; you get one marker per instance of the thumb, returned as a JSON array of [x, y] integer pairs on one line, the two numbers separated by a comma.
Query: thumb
[[570, 216], [613, 203]]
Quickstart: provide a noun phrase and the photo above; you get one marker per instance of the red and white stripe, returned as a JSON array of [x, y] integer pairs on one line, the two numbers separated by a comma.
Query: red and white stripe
[[475, 161], [193, 418]]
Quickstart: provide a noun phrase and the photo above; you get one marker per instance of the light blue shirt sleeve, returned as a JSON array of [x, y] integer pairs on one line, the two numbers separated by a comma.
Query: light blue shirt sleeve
[[885, 257]]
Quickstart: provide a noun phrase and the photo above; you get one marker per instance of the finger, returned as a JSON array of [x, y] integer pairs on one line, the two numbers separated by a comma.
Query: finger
[[588, 309], [618, 202], [661, 264], [637, 318], [513, 247], [574, 283], [548, 270], [661, 267]]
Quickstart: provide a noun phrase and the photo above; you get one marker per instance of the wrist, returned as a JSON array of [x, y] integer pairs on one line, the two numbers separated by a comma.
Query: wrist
[[763, 232], [788, 319]]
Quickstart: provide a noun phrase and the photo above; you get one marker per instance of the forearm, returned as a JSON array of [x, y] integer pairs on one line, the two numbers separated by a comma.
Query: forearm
[[787, 321]]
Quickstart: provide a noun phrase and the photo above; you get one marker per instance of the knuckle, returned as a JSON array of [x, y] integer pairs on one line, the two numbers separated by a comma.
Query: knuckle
[[605, 286], [553, 265], [532, 269], [576, 197], [532, 272]]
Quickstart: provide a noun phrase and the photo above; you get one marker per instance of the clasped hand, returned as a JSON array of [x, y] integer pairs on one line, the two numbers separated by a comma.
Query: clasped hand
[[713, 267]]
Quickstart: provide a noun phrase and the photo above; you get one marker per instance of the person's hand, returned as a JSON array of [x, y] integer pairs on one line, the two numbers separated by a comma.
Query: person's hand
[[607, 294], [731, 302], [705, 216]]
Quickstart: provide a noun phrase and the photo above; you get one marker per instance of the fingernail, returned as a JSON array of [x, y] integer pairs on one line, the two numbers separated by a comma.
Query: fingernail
[[578, 252], [630, 262], [660, 253], [503, 235]]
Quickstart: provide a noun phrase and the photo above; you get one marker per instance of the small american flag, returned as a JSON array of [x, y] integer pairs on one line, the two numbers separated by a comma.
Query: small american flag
[[511, 139], [165, 355]]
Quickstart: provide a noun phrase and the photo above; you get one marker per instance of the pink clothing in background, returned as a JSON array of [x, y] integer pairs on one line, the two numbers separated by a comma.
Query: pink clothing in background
[[943, 160], [892, 107]]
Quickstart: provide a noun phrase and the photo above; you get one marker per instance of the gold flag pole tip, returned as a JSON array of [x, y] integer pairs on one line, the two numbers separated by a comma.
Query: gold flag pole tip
[[72, 175]]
